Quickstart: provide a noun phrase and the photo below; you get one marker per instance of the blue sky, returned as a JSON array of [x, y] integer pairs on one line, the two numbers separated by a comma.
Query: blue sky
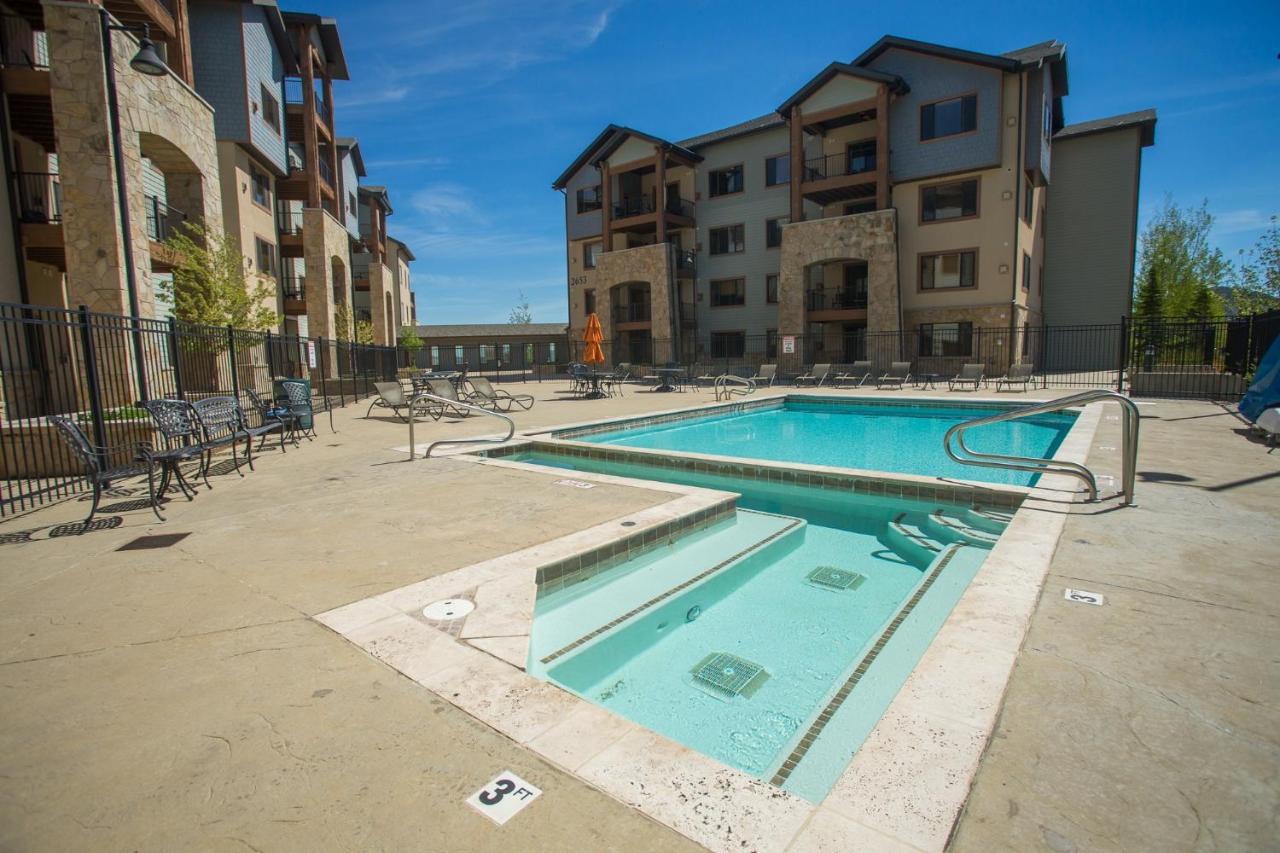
[[468, 111]]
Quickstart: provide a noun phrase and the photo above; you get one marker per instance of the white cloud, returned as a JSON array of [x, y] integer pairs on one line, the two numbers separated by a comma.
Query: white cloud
[[408, 161], [390, 95], [446, 201], [1240, 221]]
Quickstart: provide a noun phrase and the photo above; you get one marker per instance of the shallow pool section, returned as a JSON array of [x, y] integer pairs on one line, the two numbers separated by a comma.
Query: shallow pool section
[[901, 437], [773, 641]]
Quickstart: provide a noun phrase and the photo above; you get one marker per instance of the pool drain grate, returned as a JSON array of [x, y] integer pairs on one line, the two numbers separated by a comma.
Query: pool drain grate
[[725, 676], [832, 578]]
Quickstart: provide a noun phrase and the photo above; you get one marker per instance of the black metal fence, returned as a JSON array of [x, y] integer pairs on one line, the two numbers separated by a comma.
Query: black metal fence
[[95, 367], [515, 361]]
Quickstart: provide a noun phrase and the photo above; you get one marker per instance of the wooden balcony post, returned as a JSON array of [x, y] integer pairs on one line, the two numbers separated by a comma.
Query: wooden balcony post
[[310, 140], [606, 206], [660, 193], [797, 164], [882, 147]]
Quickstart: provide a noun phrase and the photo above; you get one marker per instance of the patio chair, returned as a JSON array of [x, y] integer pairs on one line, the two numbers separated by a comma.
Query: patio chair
[[622, 371], [704, 374], [391, 396], [303, 403], [499, 399], [614, 381], [970, 374], [178, 425], [220, 426], [1018, 374], [97, 469], [861, 371], [816, 374], [444, 389], [272, 414], [899, 375], [765, 374]]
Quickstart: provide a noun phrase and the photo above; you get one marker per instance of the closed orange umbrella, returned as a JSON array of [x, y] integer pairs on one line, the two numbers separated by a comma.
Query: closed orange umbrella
[[593, 337]]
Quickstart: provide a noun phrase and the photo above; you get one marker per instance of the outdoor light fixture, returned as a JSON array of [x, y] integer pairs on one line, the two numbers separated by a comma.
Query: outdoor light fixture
[[146, 60]]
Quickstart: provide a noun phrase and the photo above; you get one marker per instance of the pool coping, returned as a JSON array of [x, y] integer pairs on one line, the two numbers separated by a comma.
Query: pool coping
[[905, 785]]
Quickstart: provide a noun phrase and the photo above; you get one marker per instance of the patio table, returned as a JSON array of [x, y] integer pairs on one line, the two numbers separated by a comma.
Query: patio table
[[667, 378]]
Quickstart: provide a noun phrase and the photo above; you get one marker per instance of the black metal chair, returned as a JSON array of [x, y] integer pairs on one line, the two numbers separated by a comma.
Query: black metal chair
[[220, 426], [273, 417], [99, 471], [304, 405], [180, 427]]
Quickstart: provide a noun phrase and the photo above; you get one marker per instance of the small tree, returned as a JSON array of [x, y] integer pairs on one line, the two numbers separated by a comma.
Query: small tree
[[342, 319], [364, 331], [212, 284], [1150, 302], [521, 315], [1257, 283], [1175, 246], [410, 343]]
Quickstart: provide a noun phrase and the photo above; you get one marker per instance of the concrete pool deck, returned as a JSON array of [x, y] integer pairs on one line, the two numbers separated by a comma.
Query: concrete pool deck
[[184, 697]]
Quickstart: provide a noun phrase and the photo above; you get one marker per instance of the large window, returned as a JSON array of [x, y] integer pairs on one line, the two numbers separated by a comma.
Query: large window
[[590, 252], [777, 170], [773, 231], [948, 118], [729, 291], [771, 289], [270, 110], [947, 270], [728, 344], [958, 200], [862, 156], [266, 260], [727, 240], [261, 186], [589, 199], [725, 181], [946, 339]]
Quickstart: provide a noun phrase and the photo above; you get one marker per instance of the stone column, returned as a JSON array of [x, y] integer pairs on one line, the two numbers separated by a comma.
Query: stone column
[[379, 287]]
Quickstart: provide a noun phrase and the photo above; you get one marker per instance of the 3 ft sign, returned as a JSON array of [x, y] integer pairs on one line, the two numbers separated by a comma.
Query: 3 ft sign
[[504, 797]]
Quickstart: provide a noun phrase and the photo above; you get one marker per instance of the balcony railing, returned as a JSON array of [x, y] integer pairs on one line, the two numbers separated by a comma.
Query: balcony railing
[[836, 300], [293, 286], [326, 171], [289, 222], [636, 312], [836, 165], [686, 259], [294, 91], [640, 205], [688, 315], [21, 46], [39, 197], [162, 220], [681, 207]]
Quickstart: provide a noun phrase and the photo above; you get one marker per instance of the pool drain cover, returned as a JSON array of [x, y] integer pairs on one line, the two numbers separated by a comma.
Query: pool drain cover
[[724, 676], [450, 608], [830, 577]]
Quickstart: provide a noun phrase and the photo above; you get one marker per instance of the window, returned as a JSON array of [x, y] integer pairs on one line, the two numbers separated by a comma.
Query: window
[[773, 231], [506, 354], [725, 181], [1029, 204], [728, 344], [261, 186], [729, 291], [771, 289], [777, 170], [270, 110], [949, 117], [1026, 272], [946, 339], [551, 352], [853, 207], [770, 344], [487, 352], [435, 356], [351, 204], [590, 251], [949, 269], [862, 156], [949, 201], [589, 199], [266, 256], [459, 356], [589, 302], [727, 240]]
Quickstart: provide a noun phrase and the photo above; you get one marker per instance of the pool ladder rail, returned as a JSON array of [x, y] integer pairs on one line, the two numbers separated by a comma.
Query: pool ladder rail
[[457, 404], [1039, 465], [728, 385]]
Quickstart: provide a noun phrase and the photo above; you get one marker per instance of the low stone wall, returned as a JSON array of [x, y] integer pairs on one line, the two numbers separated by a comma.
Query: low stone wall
[[1204, 386]]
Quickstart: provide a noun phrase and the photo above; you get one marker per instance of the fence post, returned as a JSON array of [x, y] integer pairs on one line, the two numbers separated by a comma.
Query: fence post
[[95, 395], [231, 350], [176, 356], [271, 361], [1124, 353], [324, 371]]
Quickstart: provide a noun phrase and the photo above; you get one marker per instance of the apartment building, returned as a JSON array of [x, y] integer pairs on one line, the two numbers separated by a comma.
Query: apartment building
[[908, 189], [375, 295], [405, 309]]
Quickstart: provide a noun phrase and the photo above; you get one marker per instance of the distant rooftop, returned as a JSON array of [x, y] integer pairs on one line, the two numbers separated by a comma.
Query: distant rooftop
[[490, 330]]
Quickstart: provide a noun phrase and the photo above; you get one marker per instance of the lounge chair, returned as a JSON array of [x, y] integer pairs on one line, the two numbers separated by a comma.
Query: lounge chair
[[391, 396], [443, 389], [899, 374], [1018, 374], [817, 375], [500, 400], [766, 374], [970, 374], [861, 371]]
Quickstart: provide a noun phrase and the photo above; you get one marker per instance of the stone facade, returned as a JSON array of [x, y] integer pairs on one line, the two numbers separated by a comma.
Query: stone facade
[[870, 237], [325, 239], [650, 265], [381, 286], [161, 118]]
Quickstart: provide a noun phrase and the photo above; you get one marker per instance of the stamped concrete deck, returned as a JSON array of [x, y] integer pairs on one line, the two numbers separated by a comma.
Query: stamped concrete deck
[[184, 698]]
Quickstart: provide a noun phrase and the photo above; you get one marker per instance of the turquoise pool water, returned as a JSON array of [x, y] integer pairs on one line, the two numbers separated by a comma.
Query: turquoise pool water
[[761, 608], [902, 438]]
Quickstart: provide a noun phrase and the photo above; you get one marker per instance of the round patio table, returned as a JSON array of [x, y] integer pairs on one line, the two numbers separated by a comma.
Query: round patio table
[[665, 377]]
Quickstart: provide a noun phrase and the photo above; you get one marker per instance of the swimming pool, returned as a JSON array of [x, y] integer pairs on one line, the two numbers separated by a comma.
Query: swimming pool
[[773, 641], [868, 435]]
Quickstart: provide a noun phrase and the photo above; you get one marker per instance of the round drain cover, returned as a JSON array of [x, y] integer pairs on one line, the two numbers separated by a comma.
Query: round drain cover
[[450, 608]]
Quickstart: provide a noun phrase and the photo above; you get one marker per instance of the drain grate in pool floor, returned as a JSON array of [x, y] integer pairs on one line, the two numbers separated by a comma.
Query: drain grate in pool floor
[[832, 578], [724, 676]]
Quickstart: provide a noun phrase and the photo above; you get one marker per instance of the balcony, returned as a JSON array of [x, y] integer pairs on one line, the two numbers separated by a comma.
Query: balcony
[[837, 165], [163, 221], [841, 177], [635, 312], [21, 46], [836, 300], [39, 197], [688, 315], [325, 170], [289, 222], [686, 263], [639, 213]]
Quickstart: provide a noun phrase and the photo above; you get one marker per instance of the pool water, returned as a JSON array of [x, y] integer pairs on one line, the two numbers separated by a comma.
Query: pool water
[[763, 610], [855, 434]]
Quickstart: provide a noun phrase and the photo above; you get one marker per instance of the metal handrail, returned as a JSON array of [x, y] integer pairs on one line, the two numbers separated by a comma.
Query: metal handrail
[[722, 386], [1129, 452], [413, 405]]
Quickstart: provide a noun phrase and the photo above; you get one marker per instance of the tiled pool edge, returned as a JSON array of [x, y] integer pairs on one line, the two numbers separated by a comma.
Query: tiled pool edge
[[896, 788]]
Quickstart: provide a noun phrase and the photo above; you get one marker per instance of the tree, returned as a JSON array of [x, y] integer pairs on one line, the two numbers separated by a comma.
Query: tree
[[1257, 286], [1150, 302], [1175, 248], [211, 284], [521, 315], [364, 331], [342, 319], [409, 340]]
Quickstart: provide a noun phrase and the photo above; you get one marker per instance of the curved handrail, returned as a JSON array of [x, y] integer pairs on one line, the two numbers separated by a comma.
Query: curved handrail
[[1060, 466], [722, 386], [413, 405]]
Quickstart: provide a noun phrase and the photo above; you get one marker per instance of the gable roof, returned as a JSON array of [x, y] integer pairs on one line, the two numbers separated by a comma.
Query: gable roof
[[581, 159], [1144, 120], [352, 145], [896, 84], [275, 22], [377, 192], [328, 29], [404, 247], [763, 122], [623, 132], [1003, 63]]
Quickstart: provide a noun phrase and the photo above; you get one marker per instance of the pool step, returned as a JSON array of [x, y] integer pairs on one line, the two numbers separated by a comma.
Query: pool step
[[990, 520], [946, 527], [910, 542]]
